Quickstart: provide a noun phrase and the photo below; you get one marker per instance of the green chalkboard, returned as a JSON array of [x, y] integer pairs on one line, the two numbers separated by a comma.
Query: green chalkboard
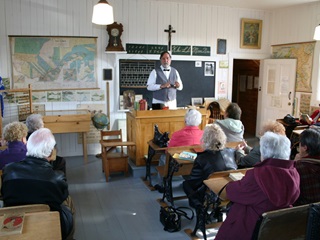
[[156, 49], [136, 48], [200, 51], [181, 50]]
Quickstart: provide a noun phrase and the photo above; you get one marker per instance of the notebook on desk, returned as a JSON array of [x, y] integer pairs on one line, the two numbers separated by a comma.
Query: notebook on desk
[[185, 156]]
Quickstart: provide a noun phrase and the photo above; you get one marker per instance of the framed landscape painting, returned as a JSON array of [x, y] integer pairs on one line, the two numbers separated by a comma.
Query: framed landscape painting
[[251, 30]]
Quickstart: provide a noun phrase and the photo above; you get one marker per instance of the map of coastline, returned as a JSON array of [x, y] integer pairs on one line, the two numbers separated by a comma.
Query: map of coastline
[[53, 62], [303, 52]]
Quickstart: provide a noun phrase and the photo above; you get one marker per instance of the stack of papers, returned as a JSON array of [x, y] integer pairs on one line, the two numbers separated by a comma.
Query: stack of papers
[[236, 176]]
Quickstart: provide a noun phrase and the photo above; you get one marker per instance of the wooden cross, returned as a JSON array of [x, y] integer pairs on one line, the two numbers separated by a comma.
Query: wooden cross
[[169, 31]]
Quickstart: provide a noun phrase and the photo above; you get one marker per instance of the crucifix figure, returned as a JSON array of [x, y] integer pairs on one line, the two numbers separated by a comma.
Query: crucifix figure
[[169, 31]]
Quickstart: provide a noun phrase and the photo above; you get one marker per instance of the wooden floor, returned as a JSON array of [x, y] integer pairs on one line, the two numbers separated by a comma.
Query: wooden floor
[[124, 208]]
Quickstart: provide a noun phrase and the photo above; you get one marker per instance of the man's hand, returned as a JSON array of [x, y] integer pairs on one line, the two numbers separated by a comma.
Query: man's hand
[[176, 84], [165, 85]]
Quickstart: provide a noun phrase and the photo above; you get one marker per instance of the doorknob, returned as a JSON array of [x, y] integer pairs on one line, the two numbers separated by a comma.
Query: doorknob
[[259, 89]]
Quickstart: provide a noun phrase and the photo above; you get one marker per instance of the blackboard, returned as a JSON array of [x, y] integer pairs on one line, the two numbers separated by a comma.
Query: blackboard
[[195, 83]]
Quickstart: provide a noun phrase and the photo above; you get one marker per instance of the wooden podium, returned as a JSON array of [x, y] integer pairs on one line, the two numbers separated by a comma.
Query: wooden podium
[[140, 128]]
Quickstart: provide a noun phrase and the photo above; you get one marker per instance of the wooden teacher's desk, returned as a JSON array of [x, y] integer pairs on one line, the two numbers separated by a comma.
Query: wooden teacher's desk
[[140, 128], [69, 121]]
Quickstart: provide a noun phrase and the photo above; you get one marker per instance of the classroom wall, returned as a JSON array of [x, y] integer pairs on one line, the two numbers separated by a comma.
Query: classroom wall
[[144, 22]]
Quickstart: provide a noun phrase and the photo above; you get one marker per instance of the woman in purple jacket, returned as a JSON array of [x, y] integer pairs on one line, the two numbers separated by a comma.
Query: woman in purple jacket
[[15, 136], [272, 184]]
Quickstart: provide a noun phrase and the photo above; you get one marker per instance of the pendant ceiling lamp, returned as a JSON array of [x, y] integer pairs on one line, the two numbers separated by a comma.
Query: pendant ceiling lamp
[[102, 13], [317, 33]]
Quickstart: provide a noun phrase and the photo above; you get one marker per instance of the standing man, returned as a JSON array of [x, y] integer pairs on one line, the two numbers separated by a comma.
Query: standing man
[[164, 81]]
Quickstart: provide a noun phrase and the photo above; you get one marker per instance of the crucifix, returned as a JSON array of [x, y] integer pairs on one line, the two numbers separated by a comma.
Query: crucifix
[[169, 31]]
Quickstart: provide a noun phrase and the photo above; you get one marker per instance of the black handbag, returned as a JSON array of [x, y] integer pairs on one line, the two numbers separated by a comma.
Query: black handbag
[[170, 217], [289, 119], [160, 139]]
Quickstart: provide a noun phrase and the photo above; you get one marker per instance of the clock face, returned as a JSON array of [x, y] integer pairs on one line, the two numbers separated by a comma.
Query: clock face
[[114, 32]]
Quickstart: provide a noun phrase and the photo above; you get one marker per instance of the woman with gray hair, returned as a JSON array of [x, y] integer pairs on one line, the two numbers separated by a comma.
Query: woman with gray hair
[[272, 184], [215, 158], [189, 135], [34, 122]]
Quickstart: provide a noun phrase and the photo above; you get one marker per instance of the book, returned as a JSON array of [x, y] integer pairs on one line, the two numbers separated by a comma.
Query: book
[[187, 156], [12, 223], [305, 117], [236, 176]]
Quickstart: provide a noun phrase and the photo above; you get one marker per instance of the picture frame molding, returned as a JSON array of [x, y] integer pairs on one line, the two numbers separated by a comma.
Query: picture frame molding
[[196, 101]]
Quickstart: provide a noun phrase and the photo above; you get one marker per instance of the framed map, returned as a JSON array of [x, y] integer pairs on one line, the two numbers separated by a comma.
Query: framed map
[[303, 52], [48, 62]]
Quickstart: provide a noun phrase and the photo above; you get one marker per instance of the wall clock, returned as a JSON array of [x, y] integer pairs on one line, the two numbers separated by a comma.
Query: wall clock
[[115, 31]]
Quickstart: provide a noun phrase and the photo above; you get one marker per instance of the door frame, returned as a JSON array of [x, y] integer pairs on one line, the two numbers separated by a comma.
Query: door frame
[[244, 56]]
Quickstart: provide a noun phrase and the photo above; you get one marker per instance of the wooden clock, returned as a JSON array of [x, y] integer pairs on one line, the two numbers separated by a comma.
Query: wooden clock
[[115, 31]]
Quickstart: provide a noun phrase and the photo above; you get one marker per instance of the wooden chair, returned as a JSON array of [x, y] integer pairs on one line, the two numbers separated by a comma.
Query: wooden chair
[[112, 160], [313, 227], [215, 112], [284, 224], [39, 222]]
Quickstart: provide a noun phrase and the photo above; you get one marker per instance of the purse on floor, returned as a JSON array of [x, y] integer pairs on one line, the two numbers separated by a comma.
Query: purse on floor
[[160, 139], [170, 217]]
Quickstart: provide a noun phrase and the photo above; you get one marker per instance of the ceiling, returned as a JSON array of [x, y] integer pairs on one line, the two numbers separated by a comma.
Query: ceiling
[[253, 4]]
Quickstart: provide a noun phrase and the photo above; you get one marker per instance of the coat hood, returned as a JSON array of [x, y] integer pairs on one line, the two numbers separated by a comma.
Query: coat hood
[[276, 176], [231, 124]]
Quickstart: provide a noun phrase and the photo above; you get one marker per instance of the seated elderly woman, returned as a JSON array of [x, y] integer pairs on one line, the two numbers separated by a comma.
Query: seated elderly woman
[[189, 135], [247, 156], [272, 184], [231, 124], [14, 134], [34, 122], [215, 158], [308, 166]]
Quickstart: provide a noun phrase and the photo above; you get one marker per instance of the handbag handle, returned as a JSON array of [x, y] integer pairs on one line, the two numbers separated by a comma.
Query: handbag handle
[[183, 213]]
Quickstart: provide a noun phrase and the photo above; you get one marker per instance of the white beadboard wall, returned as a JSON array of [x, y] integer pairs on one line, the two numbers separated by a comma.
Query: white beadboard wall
[[144, 22]]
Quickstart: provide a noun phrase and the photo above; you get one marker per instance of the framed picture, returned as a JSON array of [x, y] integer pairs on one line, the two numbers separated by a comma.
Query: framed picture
[[251, 30], [221, 46], [209, 68], [196, 101]]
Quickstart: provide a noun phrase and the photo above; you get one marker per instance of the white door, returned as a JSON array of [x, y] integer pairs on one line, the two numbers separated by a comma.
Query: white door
[[277, 79]]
